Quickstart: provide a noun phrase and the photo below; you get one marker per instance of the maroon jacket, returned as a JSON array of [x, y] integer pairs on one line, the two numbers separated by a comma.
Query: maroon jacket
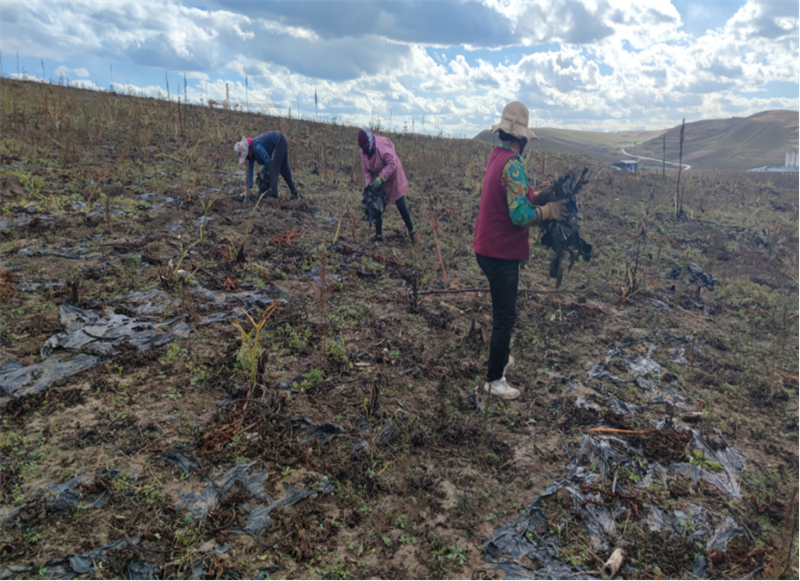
[[495, 234]]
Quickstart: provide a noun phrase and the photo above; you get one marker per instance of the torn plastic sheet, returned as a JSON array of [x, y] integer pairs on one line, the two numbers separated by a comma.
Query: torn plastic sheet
[[731, 461], [78, 253], [322, 433], [17, 381], [89, 336], [140, 571], [713, 530], [521, 549], [37, 286], [152, 302], [259, 518], [520, 545], [644, 366], [61, 498], [381, 437], [57, 568], [254, 481], [623, 408], [88, 331], [696, 275], [182, 457], [599, 372], [325, 432]]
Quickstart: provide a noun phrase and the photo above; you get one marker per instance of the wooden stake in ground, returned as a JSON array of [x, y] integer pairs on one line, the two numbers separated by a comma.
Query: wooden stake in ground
[[678, 197]]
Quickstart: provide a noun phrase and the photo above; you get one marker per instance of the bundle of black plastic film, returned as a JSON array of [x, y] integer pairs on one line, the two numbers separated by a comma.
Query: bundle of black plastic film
[[565, 236]]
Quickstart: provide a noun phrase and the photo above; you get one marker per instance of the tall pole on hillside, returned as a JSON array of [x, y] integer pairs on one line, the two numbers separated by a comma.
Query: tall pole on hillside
[[678, 197]]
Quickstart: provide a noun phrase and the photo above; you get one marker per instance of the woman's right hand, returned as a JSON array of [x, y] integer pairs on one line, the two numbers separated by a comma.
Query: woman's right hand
[[555, 211]]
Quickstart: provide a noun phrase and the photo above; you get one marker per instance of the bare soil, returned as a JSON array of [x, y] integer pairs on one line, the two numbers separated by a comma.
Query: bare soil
[[101, 194]]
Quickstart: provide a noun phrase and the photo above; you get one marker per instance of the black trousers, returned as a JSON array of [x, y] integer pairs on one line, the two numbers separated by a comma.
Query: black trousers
[[279, 164], [503, 278], [404, 213]]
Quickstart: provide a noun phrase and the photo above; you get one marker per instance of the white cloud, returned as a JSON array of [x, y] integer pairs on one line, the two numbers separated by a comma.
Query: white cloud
[[611, 64], [63, 71]]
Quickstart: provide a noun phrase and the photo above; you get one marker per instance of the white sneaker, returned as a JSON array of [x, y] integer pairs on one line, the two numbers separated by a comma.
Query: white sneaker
[[509, 365], [501, 389]]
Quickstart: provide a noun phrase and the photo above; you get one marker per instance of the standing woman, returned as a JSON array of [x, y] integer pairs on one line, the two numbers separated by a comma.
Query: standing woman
[[270, 148], [508, 208], [382, 168]]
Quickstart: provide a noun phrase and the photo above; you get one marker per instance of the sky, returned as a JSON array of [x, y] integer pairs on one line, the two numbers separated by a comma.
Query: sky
[[432, 66]]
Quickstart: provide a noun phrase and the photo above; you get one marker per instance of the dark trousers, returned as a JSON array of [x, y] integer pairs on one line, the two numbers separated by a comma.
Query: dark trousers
[[404, 213], [279, 164], [503, 278]]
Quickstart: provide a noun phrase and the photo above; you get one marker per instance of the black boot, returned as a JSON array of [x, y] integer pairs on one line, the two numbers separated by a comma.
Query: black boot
[[411, 235]]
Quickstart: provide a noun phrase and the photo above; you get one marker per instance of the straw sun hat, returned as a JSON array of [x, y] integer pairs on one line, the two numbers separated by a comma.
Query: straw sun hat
[[240, 149], [515, 122]]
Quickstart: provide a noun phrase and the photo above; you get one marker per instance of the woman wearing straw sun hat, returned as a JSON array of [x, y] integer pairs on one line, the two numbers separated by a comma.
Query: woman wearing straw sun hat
[[270, 149], [508, 208]]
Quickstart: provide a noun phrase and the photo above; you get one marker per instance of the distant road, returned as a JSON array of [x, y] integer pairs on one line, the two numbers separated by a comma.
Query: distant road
[[685, 165]]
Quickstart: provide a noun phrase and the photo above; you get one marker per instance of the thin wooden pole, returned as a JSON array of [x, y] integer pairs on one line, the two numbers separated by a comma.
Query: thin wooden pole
[[678, 199]]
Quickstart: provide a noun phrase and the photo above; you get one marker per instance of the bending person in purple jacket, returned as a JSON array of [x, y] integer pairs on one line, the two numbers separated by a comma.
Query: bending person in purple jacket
[[270, 148], [508, 208], [383, 168]]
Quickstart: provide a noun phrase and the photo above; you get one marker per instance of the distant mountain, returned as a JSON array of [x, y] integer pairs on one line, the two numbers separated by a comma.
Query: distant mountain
[[736, 143]]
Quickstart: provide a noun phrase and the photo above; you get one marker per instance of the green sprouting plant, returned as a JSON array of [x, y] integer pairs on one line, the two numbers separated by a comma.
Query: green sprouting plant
[[698, 458], [251, 348], [207, 203], [335, 349], [184, 254], [457, 554]]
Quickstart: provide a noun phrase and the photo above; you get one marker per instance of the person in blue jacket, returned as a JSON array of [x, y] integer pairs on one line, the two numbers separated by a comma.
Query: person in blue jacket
[[270, 148]]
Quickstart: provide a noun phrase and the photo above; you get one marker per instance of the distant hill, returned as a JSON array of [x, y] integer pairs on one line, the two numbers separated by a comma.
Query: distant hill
[[601, 146], [736, 143]]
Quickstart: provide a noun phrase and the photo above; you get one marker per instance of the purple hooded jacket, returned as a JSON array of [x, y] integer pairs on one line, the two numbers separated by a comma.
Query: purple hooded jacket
[[385, 163]]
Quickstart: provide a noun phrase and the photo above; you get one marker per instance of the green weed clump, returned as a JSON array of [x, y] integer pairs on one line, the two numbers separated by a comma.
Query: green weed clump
[[739, 293]]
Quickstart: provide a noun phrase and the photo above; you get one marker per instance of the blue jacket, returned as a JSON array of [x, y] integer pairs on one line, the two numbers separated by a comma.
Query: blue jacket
[[262, 148]]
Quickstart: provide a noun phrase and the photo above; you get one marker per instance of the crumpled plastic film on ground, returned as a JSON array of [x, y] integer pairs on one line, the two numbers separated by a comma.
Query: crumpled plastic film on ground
[[522, 548], [731, 461], [17, 380], [89, 336], [57, 568], [254, 481], [61, 498], [259, 518]]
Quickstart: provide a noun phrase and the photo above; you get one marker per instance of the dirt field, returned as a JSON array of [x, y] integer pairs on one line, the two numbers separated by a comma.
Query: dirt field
[[194, 389]]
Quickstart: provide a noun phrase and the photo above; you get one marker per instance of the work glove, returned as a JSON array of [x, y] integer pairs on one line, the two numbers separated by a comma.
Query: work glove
[[555, 211], [376, 184]]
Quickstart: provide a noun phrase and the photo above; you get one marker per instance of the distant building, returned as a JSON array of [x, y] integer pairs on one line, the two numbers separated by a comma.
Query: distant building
[[630, 165]]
